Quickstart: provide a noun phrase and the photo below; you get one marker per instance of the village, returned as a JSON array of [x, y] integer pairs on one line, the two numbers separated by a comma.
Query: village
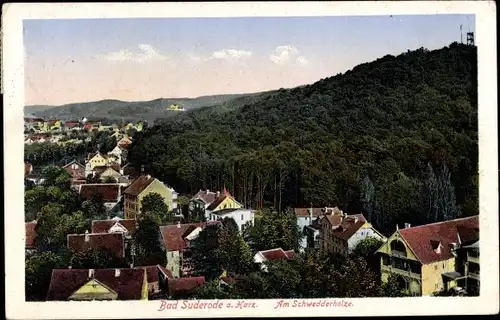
[[422, 260]]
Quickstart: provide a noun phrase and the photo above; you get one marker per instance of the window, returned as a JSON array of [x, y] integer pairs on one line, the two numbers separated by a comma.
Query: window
[[241, 217], [435, 267]]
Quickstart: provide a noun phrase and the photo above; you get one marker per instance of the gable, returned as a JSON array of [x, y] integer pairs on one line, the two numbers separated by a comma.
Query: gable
[[93, 289], [117, 227], [368, 225], [386, 247], [157, 187], [227, 203]]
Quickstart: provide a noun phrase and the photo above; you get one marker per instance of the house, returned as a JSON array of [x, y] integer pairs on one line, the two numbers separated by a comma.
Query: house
[[182, 287], [201, 200], [129, 171], [75, 169], [312, 235], [110, 193], [124, 142], [110, 173], [118, 153], [157, 277], [114, 242], [305, 218], [72, 125], [176, 241], [426, 259], [116, 225], [141, 187], [30, 236], [98, 284], [340, 233], [222, 201], [95, 160], [262, 257], [240, 216]]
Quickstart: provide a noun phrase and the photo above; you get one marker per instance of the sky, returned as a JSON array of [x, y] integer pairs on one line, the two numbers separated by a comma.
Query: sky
[[80, 60]]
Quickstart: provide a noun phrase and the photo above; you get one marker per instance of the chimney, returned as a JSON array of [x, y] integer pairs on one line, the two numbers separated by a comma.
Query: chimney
[[87, 238], [208, 191], [142, 169], [117, 273], [178, 224], [148, 176], [407, 225], [91, 273], [218, 194]]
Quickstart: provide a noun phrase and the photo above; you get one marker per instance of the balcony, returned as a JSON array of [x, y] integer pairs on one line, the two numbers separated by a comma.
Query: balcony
[[473, 258], [406, 273]]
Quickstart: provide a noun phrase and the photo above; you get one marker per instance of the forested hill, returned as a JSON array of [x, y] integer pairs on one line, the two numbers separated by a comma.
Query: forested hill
[[375, 139]]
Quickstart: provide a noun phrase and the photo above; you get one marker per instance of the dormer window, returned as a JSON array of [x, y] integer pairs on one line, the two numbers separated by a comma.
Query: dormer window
[[436, 246]]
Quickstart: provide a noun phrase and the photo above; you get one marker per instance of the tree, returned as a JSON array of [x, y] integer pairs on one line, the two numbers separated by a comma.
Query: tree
[[367, 247], [97, 258], [56, 176], [109, 179], [147, 243], [154, 204], [391, 288], [273, 230], [204, 253], [354, 280], [232, 251], [38, 271], [439, 196], [368, 196], [213, 290]]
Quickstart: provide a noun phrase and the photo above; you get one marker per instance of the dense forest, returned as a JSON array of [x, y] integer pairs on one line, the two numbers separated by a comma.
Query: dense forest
[[386, 138]]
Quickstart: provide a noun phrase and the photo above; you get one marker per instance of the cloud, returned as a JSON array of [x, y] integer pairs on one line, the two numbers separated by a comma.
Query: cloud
[[147, 52], [302, 61], [231, 54], [285, 54]]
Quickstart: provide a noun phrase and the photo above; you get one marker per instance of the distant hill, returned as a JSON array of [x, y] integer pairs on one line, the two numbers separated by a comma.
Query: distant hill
[[137, 110]]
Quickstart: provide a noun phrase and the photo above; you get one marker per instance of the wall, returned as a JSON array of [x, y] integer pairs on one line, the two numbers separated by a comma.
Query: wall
[[145, 292], [248, 215], [157, 187], [93, 290], [96, 161], [432, 279], [174, 263]]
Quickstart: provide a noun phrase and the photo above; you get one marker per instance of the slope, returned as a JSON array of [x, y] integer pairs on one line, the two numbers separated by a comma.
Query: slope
[[384, 121]]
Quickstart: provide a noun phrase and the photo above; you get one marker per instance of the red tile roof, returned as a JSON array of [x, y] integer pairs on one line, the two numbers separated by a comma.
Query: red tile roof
[[206, 196], [103, 226], [71, 124], [101, 169], [112, 241], [138, 185], [348, 226], [188, 284], [154, 271], [110, 192], [277, 254], [420, 238], [228, 280], [127, 284], [174, 235], [30, 234], [290, 254]]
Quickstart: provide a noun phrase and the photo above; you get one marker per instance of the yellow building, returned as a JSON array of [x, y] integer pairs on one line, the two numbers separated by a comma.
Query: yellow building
[[223, 201], [98, 284], [141, 187], [96, 160], [424, 258]]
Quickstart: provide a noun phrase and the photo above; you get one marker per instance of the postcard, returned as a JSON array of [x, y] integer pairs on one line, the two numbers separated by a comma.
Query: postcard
[[198, 160]]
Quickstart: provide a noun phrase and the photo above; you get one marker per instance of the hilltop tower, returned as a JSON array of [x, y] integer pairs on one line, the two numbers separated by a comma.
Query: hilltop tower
[[470, 38]]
